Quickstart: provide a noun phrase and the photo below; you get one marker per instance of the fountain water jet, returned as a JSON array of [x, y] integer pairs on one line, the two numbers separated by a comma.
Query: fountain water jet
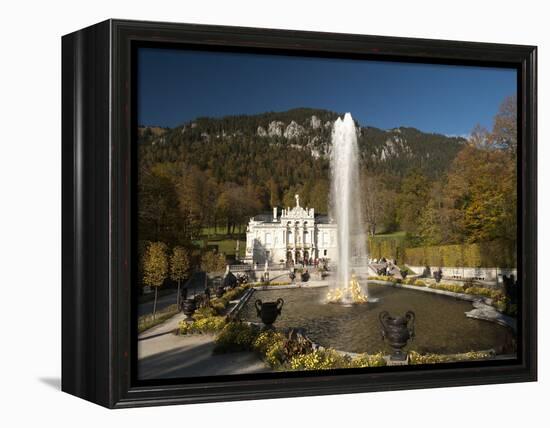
[[346, 210]]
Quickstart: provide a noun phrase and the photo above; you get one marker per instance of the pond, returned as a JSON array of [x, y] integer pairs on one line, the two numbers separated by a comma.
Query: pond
[[441, 326]]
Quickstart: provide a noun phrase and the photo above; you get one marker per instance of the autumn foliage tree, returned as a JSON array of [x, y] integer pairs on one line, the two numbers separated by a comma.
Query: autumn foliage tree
[[505, 127], [374, 200], [477, 200], [481, 195], [414, 196], [481, 188], [180, 264], [155, 268], [212, 261]]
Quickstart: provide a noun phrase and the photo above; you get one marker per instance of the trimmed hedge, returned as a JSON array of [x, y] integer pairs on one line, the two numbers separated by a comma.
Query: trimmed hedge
[[486, 254], [403, 249], [387, 247]]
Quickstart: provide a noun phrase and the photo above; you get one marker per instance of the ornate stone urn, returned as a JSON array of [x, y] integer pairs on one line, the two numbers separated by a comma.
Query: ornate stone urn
[[189, 307], [219, 291], [397, 331], [269, 311]]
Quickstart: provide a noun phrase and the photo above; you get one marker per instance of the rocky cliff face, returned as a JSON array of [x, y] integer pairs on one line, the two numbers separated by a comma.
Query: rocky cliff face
[[275, 128], [316, 122], [293, 130], [310, 130]]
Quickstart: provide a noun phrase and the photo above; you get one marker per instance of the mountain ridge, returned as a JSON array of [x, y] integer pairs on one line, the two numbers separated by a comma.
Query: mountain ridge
[[396, 150]]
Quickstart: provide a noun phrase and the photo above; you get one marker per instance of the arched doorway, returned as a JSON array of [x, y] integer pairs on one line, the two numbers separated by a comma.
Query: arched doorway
[[289, 260]]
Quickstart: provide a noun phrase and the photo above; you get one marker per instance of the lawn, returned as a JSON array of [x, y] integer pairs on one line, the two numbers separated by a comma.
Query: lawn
[[226, 243], [211, 231], [400, 235]]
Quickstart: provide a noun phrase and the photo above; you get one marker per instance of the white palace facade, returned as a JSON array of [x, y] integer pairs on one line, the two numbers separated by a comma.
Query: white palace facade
[[293, 236]]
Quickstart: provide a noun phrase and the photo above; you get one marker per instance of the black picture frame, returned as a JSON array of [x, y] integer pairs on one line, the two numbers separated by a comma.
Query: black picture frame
[[98, 194]]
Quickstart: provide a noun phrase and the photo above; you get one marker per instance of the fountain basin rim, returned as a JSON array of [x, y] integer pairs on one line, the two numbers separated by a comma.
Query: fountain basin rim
[[287, 287]]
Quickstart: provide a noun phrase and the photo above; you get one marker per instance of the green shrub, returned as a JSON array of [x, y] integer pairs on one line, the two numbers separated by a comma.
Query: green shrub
[[234, 293], [469, 283], [236, 337], [419, 283], [404, 268], [486, 292], [381, 278], [219, 304], [500, 305], [512, 310], [503, 304], [448, 287], [270, 284]]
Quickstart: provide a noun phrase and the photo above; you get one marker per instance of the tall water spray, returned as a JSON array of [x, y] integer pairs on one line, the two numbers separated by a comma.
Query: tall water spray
[[346, 211]]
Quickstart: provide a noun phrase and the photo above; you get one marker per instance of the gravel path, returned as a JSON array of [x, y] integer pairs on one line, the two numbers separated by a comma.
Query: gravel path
[[162, 355]]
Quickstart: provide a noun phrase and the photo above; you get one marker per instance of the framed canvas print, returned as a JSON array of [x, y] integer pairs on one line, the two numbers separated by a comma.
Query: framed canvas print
[[252, 213]]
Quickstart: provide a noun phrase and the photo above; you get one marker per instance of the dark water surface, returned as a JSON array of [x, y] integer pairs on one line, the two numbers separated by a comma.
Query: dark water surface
[[441, 326]]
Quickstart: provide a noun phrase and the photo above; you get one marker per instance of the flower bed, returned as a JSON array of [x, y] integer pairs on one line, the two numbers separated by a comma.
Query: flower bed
[[416, 358], [211, 319], [269, 284], [211, 324], [287, 353], [323, 359]]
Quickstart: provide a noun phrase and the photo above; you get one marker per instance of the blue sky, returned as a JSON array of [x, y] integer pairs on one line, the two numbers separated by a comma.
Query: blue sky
[[175, 86]]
